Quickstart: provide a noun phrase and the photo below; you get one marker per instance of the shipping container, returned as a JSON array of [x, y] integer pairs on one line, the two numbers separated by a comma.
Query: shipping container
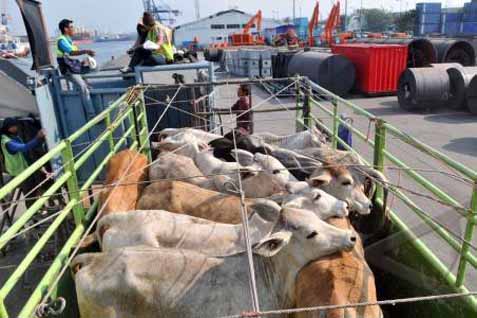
[[452, 28], [301, 22], [284, 28], [429, 18], [470, 12], [423, 29], [469, 28], [451, 17], [429, 7], [378, 66]]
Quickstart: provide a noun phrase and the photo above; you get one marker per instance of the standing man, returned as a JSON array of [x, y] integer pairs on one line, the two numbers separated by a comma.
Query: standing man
[[151, 30], [242, 109], [71, 68]]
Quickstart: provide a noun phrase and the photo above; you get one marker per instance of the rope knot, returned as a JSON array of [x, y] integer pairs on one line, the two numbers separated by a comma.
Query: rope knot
[[52, 308]]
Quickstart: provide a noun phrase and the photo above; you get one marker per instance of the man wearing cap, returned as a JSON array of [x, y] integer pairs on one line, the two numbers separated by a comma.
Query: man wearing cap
[[72, 72], [14, 152]]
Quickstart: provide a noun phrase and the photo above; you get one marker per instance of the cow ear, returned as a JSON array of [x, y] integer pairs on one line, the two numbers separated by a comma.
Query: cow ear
[[272, 244], [321, 179], [203, 146], [266, 209], [297, 187]]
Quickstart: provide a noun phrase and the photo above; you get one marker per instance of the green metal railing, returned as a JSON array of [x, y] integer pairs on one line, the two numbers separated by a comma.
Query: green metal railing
[[331, 105], [128, 113]]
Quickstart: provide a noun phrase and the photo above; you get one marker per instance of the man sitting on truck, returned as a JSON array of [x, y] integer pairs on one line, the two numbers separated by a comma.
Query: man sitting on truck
[[149, 30], [71, 68]]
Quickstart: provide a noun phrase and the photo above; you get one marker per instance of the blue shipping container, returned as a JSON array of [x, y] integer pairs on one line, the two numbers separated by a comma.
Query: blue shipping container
[[452, 17], [429, 18], [284, 28], [423, 29], [301, 22], [429, 7], [470, 28], [452, 28]]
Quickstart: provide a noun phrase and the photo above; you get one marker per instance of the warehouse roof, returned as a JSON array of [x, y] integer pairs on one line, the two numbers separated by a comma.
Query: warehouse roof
[[214, 16]]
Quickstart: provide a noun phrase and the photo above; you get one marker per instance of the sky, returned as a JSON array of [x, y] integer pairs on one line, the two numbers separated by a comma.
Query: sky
[[122, 15]]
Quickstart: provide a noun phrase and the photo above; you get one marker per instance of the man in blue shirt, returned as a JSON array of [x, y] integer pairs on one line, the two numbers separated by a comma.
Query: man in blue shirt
[[71, 70]]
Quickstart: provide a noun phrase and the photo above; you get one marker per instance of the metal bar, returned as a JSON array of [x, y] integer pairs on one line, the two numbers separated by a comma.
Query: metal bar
[[342, 101], [299, 126], [334, 136], [96, 120], [424, 182], [379, 148], [143, 135], [442, 232], [107, 122], [26, 216], [307, 108], [97, 143], [274, 110], [56, 266], [3, 309], [72, 182], [469, 233], [470, 173], [36, 249], [17, 181], [153, 86]]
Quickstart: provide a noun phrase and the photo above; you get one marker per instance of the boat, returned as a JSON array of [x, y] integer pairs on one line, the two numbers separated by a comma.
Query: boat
[[11, 46]]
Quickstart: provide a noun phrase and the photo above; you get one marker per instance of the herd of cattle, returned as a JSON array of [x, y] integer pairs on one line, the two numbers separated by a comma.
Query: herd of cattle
[[173, 244]]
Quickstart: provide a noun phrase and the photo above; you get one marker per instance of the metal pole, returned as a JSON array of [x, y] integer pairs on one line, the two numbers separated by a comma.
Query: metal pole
[[345, 16], [72, 182], [3, 309], [107, 121], [469, 233], [144, 128], [294, 11], [379, 155], [299, 110], [334, 138], [307, 108]]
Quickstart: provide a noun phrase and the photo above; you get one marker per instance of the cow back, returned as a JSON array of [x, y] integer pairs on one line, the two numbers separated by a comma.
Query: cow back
[[126, 174], [340, 279]]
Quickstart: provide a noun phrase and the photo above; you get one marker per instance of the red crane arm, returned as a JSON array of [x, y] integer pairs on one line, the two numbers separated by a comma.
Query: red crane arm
[[315, 19], [257, 20]]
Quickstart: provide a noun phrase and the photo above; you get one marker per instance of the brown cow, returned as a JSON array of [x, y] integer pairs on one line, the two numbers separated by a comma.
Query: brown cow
[[339, 279], [128, 168], [184, 198]]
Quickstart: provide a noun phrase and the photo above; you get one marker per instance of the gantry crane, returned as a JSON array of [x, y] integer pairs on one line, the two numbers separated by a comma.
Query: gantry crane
[[162, 11]]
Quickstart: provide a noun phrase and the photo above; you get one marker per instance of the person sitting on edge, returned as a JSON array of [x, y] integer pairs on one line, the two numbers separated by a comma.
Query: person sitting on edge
[[151, 30], [71, 68], [242, 107], [15, 151]]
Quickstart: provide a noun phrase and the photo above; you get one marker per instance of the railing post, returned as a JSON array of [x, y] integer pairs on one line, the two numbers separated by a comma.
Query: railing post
[[379, 156], [299, 110], [72, 183], [107, 122], [334, 138], [3, 309], [469, 233], [143, 131], [133, 122], [307, 108]]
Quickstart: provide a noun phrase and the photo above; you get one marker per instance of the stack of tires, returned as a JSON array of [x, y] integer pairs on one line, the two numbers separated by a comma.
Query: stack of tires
[[441, 85]]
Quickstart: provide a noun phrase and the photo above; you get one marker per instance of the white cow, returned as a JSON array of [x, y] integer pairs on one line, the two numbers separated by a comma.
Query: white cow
[[201, 135], [301, 140], [156, 282], [177, 167], [156, 228]]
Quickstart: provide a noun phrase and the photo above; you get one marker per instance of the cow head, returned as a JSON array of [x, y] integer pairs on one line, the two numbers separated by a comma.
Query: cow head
[[184, 144], [305, 236], [321, 203], [339, 182], [273, 166]]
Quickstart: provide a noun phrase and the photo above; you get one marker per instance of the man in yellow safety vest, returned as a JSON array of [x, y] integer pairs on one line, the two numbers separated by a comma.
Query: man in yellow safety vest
[[150, 30], [71, 68]]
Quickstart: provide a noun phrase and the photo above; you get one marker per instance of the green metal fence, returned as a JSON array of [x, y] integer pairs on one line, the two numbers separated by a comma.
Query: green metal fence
[[127, 113], [332, 105]]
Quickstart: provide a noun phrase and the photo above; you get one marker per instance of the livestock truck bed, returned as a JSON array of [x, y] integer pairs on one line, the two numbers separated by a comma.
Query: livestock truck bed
[[422, 264]]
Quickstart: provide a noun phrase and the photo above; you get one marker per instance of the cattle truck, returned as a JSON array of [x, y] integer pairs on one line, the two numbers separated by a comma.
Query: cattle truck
[[422, 267]]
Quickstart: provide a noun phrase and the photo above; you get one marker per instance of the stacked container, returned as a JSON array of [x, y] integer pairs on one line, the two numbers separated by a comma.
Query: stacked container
[[301, 27], [250, 63], [428, 18], [469, 24], [452, 22]]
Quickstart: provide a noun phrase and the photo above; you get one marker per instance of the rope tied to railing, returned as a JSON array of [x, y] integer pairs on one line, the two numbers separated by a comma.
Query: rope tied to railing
[[368, 133], [53, 308]]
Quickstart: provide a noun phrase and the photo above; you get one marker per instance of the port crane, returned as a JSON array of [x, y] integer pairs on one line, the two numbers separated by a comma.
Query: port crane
[[315, 19], [162, 11]]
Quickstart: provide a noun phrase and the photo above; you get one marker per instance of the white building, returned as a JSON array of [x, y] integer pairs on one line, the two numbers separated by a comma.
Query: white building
[[216, 28]]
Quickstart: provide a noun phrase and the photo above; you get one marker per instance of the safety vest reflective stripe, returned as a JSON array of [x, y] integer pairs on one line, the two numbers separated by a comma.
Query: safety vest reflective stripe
[[166, 48], [14, 164]]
